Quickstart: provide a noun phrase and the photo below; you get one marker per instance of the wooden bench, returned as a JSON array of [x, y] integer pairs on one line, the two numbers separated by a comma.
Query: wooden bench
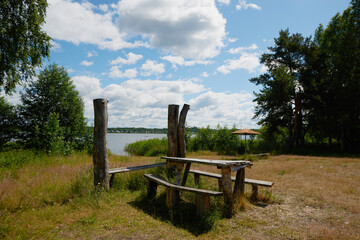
[[254, 183], [113, 171], [202, 196]]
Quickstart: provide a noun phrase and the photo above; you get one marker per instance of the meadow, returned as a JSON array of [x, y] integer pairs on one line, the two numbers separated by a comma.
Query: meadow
[[52, 197]]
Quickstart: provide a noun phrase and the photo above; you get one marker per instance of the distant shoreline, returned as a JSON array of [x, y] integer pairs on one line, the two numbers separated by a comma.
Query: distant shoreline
[[146, 130]]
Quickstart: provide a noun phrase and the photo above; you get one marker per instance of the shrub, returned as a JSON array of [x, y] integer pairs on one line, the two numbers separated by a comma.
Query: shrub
[[151, 147]]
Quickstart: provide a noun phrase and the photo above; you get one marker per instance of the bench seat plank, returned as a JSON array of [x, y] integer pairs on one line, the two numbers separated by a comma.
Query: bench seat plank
[[181, 188], [135, 168], [247, 180]]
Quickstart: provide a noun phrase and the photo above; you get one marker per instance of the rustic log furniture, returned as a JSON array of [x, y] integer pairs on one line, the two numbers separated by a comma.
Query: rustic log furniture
[[226, 166], [254, 183]]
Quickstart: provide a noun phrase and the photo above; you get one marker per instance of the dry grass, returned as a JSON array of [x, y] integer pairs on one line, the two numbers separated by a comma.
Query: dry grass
[[314, 198]]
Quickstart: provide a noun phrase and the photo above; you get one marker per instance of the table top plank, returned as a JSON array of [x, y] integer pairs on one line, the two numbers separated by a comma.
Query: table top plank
[[219, 163]]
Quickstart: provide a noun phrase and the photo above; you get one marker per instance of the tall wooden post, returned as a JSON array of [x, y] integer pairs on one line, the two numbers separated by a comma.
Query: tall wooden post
[[181, 130], [176, 148], [173, 118], [227, 190], [100, 149]]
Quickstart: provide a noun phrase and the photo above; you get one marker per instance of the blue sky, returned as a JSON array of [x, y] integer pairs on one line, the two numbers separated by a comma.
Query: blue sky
[[143, 55]]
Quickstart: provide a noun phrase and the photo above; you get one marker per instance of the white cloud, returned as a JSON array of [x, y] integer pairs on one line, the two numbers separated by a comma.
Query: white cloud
[[226, 2], [116, 73], [104, 7], [132, 58], [232, 40], [56, 47], [137, 103], [205, 74], [244, 5], [78, 23], [191, 29], [15, 98], [213, 108], [91, 54], [151, 67], [178, 60], [242, 49], [87, 63], [247, 61]]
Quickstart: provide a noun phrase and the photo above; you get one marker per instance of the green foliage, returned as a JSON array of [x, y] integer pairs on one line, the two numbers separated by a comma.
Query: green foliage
[[8, 122], [225, 142], [23, 43], [52, 113], [311, 91], [279, 102], [151, 147], [50, 138], [17, 158], [203, 140]]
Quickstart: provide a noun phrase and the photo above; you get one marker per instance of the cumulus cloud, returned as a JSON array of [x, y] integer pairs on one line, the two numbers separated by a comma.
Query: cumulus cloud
[[151, 67], [191, 29], [226, 2], [115, 72], [212, 108], [242, 49], [232, 40], [78, 23], [136, 103], [56, 47], [205, 74], [132, 58], [247, 61], [87, 63], [244, 5], [178, 60], [91, 54]]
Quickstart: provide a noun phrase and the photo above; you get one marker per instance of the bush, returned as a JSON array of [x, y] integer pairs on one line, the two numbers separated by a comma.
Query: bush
[[151, 147]]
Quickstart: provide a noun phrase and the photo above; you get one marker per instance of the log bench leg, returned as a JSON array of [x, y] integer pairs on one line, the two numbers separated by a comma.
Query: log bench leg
[[202, 204], [254, 195], [227, 190], [151, 189], [220, 184], [197, 178], [172, 198], [239, 186], [111, 180]]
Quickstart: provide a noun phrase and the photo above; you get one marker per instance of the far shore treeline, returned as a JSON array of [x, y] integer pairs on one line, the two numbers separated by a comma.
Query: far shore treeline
[[145, 130]]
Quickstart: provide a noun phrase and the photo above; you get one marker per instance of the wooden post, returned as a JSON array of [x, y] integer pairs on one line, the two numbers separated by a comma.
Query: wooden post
[[173, 114], [227, 190], [202, 204], [172, 197], [239, 187], [181, 130], [100, 149], [151, 189], [254, 195], [186, 173]]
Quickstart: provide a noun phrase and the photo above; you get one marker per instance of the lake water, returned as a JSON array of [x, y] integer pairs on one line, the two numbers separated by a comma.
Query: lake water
[[118, 141]]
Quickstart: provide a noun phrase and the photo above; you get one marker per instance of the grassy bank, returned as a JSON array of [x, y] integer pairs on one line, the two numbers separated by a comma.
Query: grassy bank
[[53, 198]]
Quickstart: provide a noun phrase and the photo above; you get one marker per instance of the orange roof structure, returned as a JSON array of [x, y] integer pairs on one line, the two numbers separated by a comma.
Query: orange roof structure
[[246, 132]]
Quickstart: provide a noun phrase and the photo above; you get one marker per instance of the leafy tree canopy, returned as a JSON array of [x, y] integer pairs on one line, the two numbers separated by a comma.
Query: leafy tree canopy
[[22, 42], [8, 122], [50, 103]]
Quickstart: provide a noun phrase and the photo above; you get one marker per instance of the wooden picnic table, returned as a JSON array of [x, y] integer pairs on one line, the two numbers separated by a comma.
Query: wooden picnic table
[[226, 166]]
